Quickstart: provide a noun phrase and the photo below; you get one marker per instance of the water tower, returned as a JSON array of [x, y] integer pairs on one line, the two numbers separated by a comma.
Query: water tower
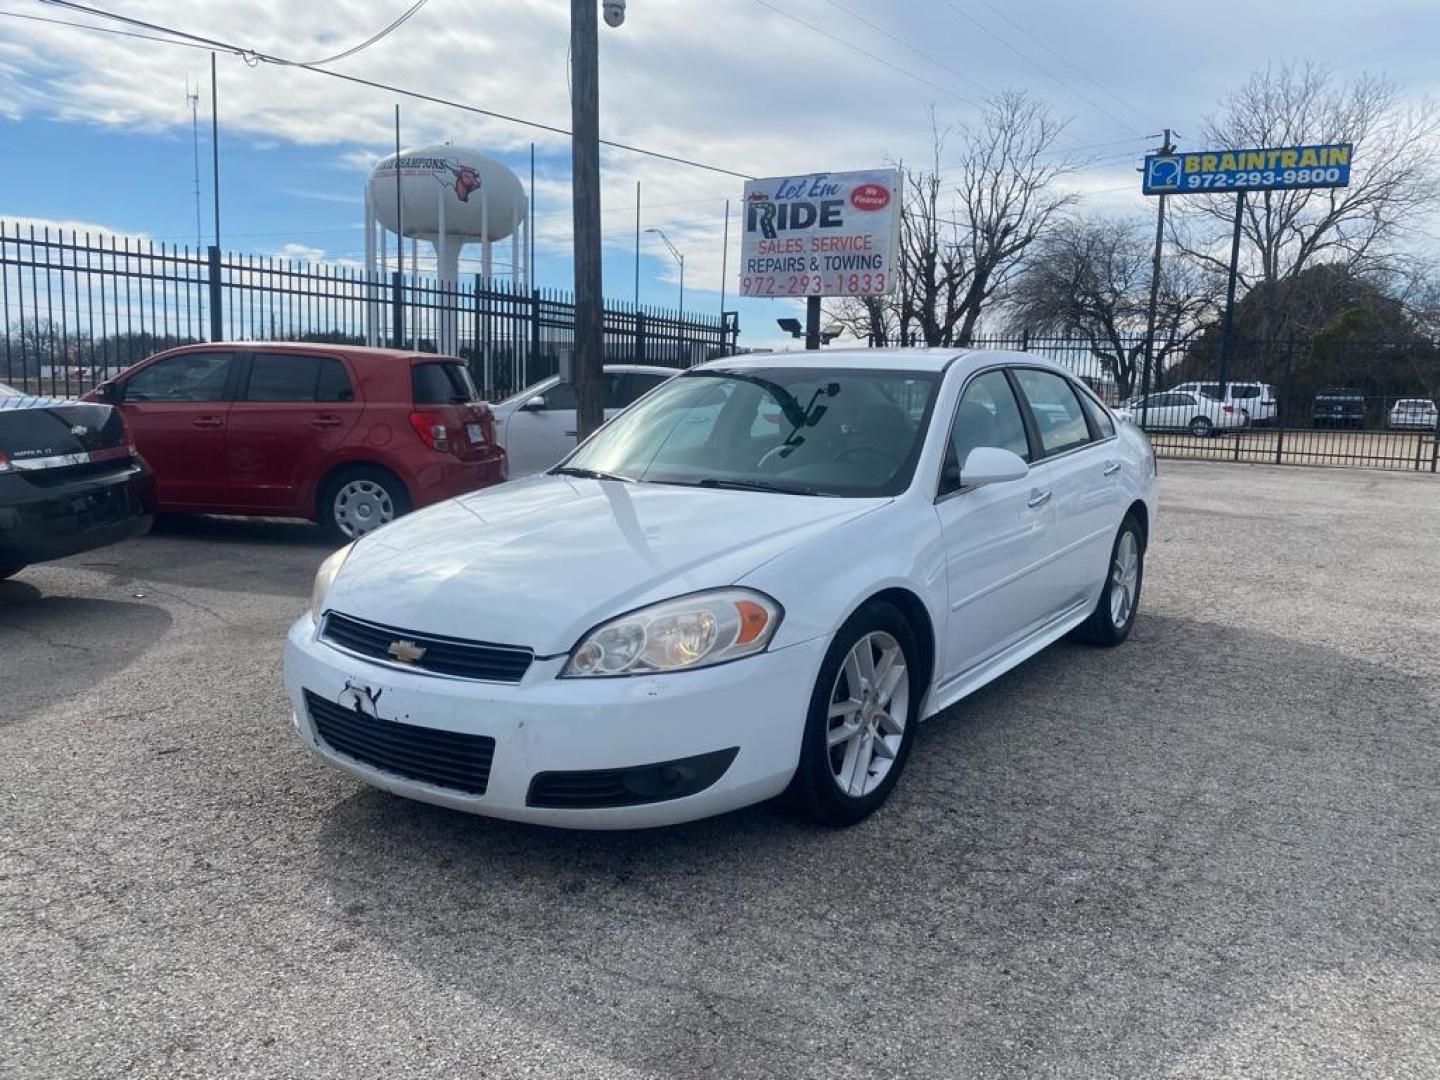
[[447, 196]]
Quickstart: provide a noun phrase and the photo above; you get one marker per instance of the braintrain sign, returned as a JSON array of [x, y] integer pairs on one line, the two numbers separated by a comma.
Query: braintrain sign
[[821, 234], [1276, 168]]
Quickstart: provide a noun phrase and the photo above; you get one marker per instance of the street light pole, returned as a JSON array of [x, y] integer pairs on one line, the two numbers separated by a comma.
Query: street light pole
[[679, 258]]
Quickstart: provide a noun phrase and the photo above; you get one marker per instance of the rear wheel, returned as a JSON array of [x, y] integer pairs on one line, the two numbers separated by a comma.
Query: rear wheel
[[862, 719], [1201, 426], [360, 499], [1114, 614]]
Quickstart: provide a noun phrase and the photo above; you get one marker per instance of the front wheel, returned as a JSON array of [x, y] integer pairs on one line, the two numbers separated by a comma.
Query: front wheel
[[862, 719], [1201, 426], [1114, 614]]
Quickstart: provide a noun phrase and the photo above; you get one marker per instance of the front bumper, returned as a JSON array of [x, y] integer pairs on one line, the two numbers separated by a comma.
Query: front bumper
[[545, 725], [45, 517]]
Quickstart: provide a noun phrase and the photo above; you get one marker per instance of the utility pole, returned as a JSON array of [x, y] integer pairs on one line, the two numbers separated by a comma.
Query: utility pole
[[585, 172], [217, 297], [1166, 147], [637, 245], [215, 144], [192, 98], [724, 267]]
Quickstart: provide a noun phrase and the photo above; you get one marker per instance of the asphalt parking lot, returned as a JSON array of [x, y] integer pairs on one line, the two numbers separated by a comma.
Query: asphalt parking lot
[[1211, 853]]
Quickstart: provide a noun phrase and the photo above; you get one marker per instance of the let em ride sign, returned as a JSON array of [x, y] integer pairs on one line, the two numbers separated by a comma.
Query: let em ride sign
[[821, 234], [1272, 168]]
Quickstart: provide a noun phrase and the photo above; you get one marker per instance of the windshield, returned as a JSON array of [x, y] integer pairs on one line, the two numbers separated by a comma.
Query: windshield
[[801, 430]]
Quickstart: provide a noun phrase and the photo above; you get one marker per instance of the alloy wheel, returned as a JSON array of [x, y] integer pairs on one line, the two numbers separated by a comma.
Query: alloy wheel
[[1124, 579], [869, 705], [362, 506]]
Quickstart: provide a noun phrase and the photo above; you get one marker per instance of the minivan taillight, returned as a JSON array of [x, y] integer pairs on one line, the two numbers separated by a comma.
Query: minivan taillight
[[430, 426]]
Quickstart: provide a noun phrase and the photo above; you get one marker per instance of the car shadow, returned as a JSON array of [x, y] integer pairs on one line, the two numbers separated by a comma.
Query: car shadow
[[261, 556], [56, 648], [228, 529], [1136, 855]]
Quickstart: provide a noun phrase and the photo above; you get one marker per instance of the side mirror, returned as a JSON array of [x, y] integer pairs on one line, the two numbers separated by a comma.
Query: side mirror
[[111, 393], [991, 465], [535, 404]]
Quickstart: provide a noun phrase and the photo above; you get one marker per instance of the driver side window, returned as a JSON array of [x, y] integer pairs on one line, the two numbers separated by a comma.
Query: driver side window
[[988, 415], [197, 376]]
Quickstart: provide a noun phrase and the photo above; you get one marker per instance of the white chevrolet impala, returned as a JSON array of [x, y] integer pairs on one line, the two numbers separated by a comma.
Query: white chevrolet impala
[[755, 581]]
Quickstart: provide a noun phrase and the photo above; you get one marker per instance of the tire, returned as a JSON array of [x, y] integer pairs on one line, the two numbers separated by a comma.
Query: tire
[[9, 568], [1110, 623], [1202, 427], [815, 791], [359, 499]]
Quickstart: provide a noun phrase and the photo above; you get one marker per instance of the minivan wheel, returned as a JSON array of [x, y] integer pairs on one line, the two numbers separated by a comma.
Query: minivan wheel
[[862, 719], [1114, 614], [359, 500], [1201, 426]]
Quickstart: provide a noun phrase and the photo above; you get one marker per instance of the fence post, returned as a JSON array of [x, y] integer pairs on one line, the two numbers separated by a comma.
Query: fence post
[[639, 337], [534, 339], [474, 347], [397, 308], [1025, 340], [1280, 405], [217, 315]]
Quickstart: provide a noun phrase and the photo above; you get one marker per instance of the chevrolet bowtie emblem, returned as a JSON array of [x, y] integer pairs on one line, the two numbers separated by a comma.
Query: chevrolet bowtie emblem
[[407, 652]]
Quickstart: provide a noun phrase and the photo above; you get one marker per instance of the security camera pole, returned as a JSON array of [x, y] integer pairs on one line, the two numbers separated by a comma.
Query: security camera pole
[[585, 155]]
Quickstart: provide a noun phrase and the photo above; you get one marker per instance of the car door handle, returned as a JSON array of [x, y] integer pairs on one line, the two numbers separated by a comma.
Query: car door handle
[[1112, 467], [326, 422], [572, 434], [208, 422], [1038, 498]]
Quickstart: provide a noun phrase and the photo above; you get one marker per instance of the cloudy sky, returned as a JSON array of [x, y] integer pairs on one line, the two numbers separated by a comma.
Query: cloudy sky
[[96, 129]]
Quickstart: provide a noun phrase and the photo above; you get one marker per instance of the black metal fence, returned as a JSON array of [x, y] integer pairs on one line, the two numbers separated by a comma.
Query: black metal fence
[[76, 308], [1318, 401]]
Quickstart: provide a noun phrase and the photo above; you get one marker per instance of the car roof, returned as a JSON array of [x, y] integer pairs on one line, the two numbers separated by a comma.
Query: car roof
[[918, 359], [355, 352]]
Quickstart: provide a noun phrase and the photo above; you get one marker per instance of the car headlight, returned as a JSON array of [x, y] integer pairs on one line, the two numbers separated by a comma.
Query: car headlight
[[689, 632], [324, 577]]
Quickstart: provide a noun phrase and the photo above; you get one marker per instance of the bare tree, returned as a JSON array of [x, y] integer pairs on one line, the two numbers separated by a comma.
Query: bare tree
[[1008, 196], [1395, 176], [1091, 278], [966, 223]]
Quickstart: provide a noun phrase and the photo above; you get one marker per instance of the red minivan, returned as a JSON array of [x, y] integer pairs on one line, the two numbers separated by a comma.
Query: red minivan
[[348, 436]]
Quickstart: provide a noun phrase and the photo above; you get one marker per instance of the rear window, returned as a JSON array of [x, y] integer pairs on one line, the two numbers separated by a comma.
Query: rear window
[[442, 383]]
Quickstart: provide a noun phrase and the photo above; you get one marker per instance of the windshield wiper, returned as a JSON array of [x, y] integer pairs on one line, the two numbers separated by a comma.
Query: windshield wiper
[[724, 484], [589, 474]]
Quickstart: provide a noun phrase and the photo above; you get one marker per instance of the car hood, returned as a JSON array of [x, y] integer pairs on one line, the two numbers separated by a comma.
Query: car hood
[[537, 562]]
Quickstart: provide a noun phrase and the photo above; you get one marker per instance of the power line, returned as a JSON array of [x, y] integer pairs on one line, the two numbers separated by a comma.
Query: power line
[[399, 22], [102, 29], [913, 48], [865, 52], [253, 57], [1031, 61], [1061, 57]]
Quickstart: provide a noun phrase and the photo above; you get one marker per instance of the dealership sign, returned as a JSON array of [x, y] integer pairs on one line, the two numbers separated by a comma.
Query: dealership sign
[[821, 234], [1275, 168]]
